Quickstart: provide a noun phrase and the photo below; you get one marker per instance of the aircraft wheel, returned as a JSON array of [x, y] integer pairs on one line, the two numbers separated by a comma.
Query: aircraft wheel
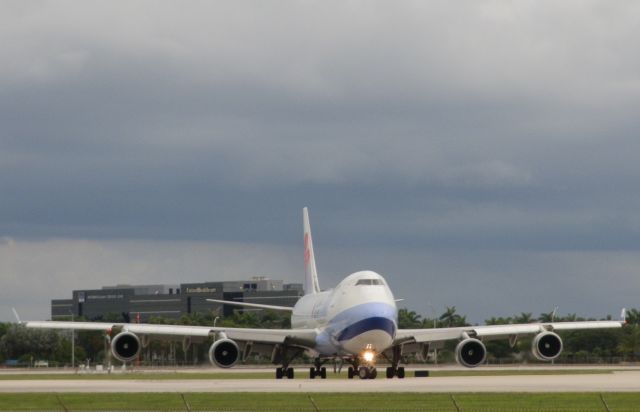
[[323, 373], [363, 372], [350, 372], [279, 373], [312, 373], [289, 373], [401, 372], [373, 372], [390, 372]]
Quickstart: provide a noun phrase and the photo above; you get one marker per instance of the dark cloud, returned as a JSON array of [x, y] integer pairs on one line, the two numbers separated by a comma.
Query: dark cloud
[[472, 132]]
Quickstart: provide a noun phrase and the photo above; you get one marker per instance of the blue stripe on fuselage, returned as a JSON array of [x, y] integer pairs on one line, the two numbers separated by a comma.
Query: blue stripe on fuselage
[[362, 318], [365, 325]]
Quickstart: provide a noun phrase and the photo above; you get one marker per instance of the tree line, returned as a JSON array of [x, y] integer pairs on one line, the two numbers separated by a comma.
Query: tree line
[[26, 346]]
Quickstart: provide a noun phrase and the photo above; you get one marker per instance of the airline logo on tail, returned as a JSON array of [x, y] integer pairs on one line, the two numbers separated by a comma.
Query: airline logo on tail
[[307, 251], [311, 274]]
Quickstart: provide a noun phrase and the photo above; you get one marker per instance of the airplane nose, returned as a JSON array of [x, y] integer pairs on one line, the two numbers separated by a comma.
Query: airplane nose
[[375, 332], [379, 323], [368, 325]]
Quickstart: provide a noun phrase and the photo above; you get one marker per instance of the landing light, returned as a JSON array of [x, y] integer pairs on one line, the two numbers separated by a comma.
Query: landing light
[[368, 355]]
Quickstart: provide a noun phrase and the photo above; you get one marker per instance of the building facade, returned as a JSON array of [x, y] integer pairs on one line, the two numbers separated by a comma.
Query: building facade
[[132, 303]]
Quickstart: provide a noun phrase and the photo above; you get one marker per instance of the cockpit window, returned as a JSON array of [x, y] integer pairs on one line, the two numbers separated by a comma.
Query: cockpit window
[[369, 282]]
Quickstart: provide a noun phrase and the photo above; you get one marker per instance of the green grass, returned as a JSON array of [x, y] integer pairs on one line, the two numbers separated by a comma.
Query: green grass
[[285, 402], [301, 373]]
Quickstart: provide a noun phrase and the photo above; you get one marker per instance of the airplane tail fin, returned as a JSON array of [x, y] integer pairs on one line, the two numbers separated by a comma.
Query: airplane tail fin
[[311, 284], [15, 313]]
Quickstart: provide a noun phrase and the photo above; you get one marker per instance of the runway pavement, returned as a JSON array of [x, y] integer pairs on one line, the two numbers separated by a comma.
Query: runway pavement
[[618, 381]]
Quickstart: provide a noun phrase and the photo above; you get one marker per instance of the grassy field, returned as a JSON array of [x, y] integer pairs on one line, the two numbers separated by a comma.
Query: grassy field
[[284, 402], [301, 373]]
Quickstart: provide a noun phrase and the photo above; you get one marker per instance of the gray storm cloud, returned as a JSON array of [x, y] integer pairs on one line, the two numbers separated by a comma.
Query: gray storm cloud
[[470, 132], [34, 272]]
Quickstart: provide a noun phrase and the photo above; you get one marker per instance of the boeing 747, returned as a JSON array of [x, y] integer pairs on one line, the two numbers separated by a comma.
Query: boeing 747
[[355, 322]]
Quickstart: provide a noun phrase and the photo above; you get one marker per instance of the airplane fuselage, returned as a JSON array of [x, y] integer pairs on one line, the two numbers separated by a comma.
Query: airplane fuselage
[[359, 314]]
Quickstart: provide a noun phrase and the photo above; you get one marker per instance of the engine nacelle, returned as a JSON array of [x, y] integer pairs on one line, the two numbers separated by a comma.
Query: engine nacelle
[[546, 346], [125, 346], [471, 353], [224, 353]]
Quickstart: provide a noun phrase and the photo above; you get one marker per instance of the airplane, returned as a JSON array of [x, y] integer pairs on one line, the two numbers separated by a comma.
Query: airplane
[[356, 322]]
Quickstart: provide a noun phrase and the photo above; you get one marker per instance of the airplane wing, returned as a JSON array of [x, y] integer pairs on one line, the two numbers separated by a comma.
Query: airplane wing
[[252, 305], [230, 344], [497, 331], [471, 351], [301, 337]]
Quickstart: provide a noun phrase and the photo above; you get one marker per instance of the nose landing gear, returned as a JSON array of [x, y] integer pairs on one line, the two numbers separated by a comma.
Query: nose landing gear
[[367, 372], [363, 372]]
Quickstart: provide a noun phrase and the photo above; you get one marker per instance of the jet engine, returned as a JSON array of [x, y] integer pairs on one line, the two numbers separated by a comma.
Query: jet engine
[[125, 346], [546, 346], [224, 353], [470, 352]]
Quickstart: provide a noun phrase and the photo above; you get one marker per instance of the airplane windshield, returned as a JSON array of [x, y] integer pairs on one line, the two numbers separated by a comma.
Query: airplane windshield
[[369, 282]]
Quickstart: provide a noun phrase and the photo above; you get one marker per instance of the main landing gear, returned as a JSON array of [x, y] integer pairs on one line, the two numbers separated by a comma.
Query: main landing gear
[[394, 369], [397, 371], [321, 372], [284, 355], [284, 372], [318, 370]]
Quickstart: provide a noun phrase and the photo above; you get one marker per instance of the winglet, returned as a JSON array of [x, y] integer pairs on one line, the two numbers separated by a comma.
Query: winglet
[[623, 315], [311, 284], [15, 313]]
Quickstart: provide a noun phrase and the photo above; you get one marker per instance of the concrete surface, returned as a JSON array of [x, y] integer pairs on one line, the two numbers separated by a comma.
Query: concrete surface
[[619, 381]]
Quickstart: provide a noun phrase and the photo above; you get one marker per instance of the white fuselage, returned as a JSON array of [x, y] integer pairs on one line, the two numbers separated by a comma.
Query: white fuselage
[[359, 313]]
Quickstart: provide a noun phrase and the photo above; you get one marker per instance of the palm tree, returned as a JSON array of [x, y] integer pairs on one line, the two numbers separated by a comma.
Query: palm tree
[[408, 319], [499, 321], [450, 317], [633, 316], [630, 343], [524, 317], [546, 317], [428, 323]]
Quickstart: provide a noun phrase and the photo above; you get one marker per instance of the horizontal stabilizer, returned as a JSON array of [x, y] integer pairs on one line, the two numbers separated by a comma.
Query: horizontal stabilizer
[[252, 305]]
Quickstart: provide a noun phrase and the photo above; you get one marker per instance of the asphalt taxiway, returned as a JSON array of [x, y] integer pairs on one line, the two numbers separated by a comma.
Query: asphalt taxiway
[[616, 381]]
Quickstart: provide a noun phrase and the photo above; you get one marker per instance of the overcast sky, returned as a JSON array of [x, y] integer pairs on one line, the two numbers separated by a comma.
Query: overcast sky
[[482, 154]]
